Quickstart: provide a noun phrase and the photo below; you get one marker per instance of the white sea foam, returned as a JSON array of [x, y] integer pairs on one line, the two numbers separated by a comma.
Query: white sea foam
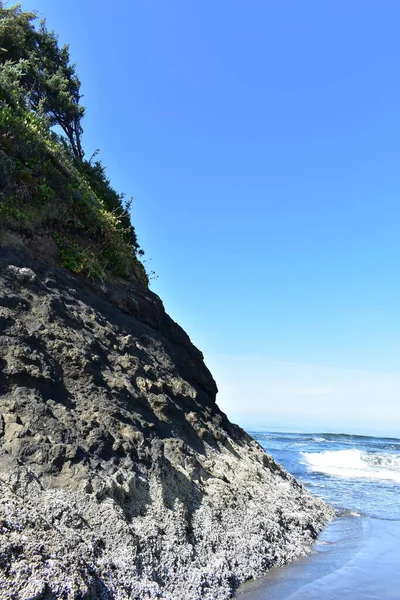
[[354, 464], [319, 439]]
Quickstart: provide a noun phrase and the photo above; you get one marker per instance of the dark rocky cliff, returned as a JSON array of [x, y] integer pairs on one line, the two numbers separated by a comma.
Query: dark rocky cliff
[[120, 477]]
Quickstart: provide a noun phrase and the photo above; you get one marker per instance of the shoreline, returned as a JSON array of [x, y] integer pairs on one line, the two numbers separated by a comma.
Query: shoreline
[[336, 545], [353, 554]]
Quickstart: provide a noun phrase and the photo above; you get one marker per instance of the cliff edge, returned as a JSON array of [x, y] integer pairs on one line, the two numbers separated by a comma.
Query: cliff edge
[[120, 477]]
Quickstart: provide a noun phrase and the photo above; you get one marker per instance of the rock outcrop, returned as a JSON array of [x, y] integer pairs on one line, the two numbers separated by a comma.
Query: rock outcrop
[[120, 477]]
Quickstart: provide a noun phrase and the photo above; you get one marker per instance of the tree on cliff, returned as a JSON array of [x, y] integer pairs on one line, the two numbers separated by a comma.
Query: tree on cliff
[[49, 80], [45, 179]]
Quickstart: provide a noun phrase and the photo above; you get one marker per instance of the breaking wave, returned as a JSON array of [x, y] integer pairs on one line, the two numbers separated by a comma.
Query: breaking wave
[[350, 464]]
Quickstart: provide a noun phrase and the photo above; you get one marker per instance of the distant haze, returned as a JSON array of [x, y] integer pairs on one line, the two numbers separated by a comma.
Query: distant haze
[[306, 397]]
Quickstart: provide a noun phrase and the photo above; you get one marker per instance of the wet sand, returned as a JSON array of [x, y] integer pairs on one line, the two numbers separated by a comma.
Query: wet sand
[[355, 558]]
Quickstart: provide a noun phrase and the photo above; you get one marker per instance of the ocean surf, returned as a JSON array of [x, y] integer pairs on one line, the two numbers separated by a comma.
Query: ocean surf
[[357, 556]]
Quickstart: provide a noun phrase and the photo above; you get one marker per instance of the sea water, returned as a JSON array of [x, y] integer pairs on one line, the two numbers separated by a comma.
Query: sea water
[[357, 557]]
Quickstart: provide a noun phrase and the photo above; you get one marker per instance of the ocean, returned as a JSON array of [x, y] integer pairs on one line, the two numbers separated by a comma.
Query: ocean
[[357, 557]]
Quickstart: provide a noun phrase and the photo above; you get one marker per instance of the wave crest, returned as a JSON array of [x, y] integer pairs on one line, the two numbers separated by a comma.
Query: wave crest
[[354, 463]]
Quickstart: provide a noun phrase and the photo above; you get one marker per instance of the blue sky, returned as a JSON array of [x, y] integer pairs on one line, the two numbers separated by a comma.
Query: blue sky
[[261, 143]]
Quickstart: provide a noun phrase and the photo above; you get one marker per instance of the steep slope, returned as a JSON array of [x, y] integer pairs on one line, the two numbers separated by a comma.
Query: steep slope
[[120, 477]]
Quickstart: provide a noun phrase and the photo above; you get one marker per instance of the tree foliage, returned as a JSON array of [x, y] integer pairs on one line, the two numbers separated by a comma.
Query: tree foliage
[[49, 80], [44, 176]]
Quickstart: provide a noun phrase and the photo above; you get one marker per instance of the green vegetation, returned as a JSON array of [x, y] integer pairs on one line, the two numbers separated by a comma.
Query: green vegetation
[[46, 184]]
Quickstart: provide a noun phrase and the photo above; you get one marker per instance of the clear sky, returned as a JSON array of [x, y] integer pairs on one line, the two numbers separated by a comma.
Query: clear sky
[[261, 141]]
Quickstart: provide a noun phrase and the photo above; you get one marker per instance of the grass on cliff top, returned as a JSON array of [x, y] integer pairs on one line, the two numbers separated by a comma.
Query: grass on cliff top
[[47, 187]]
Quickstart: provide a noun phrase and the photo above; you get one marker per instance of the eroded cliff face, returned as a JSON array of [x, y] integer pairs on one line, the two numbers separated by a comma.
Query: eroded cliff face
[[119, 475]]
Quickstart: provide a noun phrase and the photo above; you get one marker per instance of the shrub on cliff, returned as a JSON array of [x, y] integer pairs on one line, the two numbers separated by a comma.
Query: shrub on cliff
[[46, 185]]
